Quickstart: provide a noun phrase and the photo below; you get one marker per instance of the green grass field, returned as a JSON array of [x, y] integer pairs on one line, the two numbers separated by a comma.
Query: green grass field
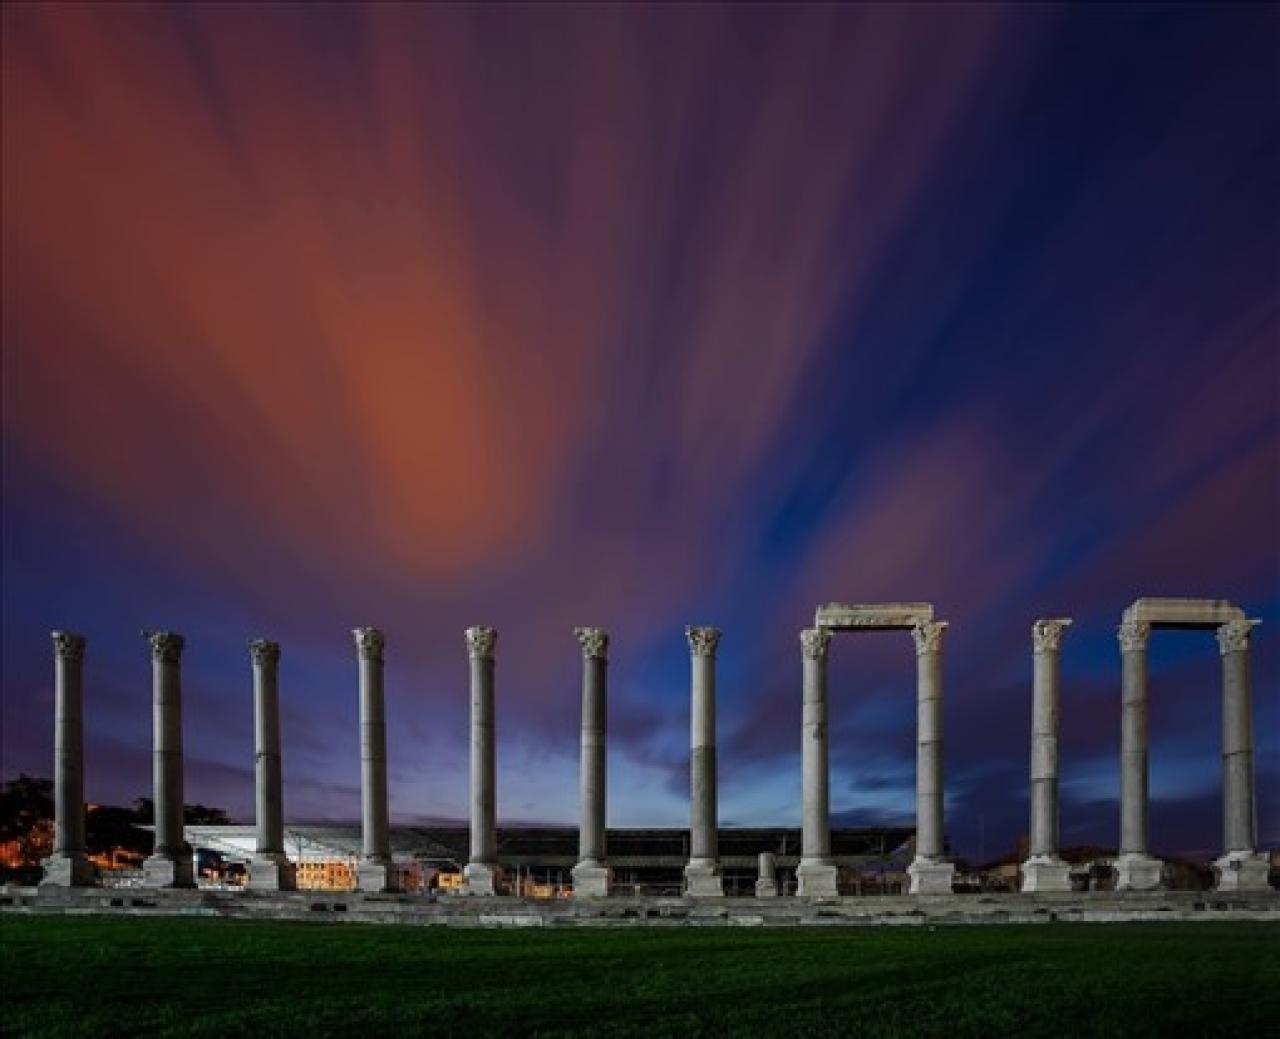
[[211, 977]]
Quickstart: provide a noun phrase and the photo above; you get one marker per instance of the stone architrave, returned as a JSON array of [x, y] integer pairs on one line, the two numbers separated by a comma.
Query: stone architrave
[[1136, 868], [702, 873], [376, 871], [1044, 870], [1242, 867], [767, 882], [481, 871], [170, 864], [591, 874], [68, 865], [816, 876], [930, 872], [270, 868]]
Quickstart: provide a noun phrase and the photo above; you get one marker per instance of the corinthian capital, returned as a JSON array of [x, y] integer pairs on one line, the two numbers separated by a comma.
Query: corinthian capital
[[370, 642], [928, 636], [814, 642], [595, 643], [1046, 635], [166, 646], [702, 641], [264, 653], [480, 642], [1233, 637], [67, 645], [1133, 636]]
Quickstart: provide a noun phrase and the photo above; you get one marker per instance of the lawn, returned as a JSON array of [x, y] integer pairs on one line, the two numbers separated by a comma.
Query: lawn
[[213, 977]]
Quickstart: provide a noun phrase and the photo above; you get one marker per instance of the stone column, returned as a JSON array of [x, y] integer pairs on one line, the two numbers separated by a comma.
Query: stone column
[[170, 865], [816, 874], [1043, 869], [930, 872], [376, 871], [270, 868], [481, 871], [702, 873], [767, 882], [1136, 868], [591, 874], [68, 865], [1242, 867]]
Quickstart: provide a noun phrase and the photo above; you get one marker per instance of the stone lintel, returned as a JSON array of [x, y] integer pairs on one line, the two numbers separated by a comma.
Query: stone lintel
[[1183, 613], [872, 616]]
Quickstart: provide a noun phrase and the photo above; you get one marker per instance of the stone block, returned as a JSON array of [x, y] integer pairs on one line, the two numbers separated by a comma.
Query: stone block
[[1242, 871], [590, 880], [166, 871], [272, 873], [767, 887], [1042, 873], [703, 880], [816, 878], [376, 876], [1136, 872], [873, 616], [930, 877], [68, 871], [481, 878], [1183, 613]]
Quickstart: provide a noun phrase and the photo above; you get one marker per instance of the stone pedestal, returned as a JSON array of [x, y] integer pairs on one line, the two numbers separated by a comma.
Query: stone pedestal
[[1042, 873], [702, 879], [1242, 871], [481, 870], [171, 864], [272, 872], [767, 881], [1136, 871], [68, 865], [376, 876], [930, 877], [590, 880], [817, 878], [591, 874], [481, 878], [702, 874]]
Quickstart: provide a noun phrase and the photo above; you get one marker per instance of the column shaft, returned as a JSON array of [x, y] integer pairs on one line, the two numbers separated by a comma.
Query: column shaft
[[1133, 750], [480, 871], [1044, 870], [270, 868], [930, 872], [375, 872], [1239, 826], [591, 875], [170, 865], [702, 874], [68, 864], [814, 758]]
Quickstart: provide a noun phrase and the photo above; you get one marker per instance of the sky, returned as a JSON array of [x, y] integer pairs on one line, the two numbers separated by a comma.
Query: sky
[[639, 317]]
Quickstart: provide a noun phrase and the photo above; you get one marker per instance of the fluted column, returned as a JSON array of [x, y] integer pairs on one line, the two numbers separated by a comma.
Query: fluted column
[[481, 870], [1136, 868], [170, 865], [1242, 867], [930, 873], [270, 868], [591, 874], [1044, 870], [702, 873], [376, 872], [68, 865], [816, 875]]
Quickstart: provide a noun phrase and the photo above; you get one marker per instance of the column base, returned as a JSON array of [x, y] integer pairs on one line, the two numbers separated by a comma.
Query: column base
[[1136, 871], [169, 871], [817, 878], [767, 887], [376, 876], [930, 876], [272, 873], [68, 871], [590, 879], [1045, 873], [1242, 871], [702, 879], [481, 878]]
